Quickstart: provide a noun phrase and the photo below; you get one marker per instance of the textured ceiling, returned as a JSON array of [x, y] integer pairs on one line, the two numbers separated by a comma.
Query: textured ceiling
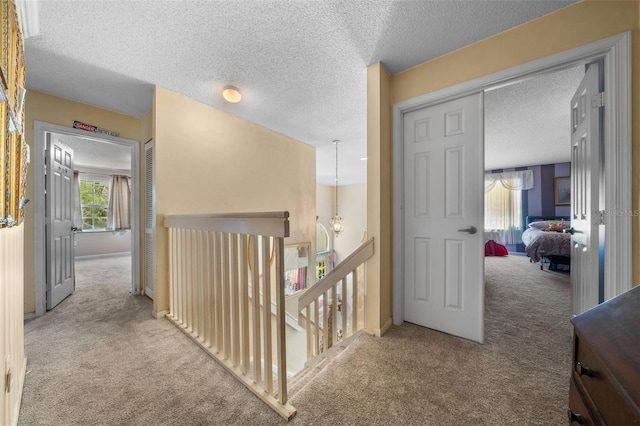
[[529, 123], [97, 155], [301, 65]]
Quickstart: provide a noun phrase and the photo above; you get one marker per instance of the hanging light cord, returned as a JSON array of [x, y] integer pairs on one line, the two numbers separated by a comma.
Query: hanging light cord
[[336, 142]]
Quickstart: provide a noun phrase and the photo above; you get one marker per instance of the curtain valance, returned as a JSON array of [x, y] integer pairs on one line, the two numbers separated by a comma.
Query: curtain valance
[[516, 181]]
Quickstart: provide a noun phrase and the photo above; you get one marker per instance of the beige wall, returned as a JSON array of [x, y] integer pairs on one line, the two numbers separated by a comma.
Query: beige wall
[[379, 197], [352, 203], [51, 109], [573, 26], [325, 200], [208, 161], [11, 322]]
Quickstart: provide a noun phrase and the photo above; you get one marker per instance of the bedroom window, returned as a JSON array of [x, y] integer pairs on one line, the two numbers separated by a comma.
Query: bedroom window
[[503, 203], [503, 213], [94, 200]]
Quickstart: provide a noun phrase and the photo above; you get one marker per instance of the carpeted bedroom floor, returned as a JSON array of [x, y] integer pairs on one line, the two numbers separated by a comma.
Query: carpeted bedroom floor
[[99, 358]]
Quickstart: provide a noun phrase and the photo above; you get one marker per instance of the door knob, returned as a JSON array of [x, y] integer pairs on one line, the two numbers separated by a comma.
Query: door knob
[[472, 230]]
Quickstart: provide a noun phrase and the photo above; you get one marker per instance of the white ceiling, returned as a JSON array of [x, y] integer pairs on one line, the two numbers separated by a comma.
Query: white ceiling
[[529, 123], [300, 64], [93, 154]]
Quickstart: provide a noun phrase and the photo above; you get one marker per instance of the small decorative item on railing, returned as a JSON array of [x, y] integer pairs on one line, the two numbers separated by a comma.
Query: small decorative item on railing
[[227, 294]]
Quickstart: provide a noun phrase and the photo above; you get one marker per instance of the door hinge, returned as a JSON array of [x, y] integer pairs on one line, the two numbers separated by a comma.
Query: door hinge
[[601, 217], [597, 100]]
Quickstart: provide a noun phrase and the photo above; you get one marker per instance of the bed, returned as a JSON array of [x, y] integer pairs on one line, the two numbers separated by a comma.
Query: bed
[[548, 247]]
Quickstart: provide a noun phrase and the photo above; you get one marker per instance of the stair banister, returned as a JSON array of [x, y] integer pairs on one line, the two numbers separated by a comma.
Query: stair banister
[[355, 259], [323, 335], [223, 304]]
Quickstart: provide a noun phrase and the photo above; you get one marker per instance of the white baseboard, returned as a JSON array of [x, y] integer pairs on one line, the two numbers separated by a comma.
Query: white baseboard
[[16, 408], [379, 332], [159, 315], [29, 316], [95, 256]]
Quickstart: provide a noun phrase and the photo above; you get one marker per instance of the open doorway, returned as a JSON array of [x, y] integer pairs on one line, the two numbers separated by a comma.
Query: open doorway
[[527, 156], [99, 158], [616, 151], [102, 207]]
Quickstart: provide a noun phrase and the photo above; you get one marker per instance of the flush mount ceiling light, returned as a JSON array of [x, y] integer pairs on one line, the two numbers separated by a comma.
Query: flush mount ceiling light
[[231, 94]]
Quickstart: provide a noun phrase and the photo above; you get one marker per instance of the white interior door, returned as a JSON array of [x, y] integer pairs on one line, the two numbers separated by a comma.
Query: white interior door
[[443, 217], [59, 221], [586, 194], [149, 221]]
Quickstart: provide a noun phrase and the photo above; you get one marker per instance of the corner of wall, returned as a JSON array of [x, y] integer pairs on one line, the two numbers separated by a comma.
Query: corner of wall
[[379, 193]]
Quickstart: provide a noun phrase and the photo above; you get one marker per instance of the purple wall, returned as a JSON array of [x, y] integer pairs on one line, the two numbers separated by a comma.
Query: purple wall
[[541, 199], [563, 169]]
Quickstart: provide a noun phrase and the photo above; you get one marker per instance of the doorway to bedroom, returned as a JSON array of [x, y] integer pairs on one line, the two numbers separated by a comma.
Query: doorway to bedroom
[[527, 156], [103, 235], [554, 117], [98, 198], [614, 177]]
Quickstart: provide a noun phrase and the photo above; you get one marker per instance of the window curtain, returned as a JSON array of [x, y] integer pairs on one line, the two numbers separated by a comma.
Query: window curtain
[[78, 220], [119, 212], [515, 181], [503, 203]]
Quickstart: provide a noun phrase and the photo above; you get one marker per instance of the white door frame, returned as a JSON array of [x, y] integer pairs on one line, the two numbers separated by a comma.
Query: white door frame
[[616, 52], [40, 128]]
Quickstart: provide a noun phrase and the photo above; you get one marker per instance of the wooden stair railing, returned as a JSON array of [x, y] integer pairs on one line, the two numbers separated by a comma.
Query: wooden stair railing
[[221, 277], [331, 296]]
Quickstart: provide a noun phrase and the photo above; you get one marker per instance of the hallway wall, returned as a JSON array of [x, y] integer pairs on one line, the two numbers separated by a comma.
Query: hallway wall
[[12, 358], [573, 26], [52, 109], [209, 161]]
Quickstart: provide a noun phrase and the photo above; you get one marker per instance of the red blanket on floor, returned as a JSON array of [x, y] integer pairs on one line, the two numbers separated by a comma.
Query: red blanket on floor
[[491, 248]]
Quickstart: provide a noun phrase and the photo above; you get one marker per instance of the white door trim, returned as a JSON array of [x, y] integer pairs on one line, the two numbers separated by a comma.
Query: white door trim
[[616, 52], [37, 164]]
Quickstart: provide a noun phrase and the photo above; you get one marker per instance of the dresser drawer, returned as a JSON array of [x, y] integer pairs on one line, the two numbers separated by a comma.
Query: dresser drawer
[[591, 376], [578, 413]]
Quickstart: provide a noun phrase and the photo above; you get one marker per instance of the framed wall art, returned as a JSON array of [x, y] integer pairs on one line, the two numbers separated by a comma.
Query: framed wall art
[[562, 190]]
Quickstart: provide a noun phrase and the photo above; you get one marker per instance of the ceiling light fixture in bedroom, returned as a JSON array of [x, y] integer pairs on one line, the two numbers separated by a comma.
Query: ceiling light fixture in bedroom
[[231, 94], [336, 221]]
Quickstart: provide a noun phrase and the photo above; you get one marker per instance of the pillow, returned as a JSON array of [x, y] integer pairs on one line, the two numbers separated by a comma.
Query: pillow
[[550, 225], [556, 227], [539, 225]]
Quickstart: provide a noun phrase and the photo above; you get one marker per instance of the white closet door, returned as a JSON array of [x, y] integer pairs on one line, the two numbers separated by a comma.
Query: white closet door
[[149, 221]]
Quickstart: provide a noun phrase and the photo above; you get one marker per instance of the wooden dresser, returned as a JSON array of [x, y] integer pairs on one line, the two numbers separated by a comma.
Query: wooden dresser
[[605, 380]]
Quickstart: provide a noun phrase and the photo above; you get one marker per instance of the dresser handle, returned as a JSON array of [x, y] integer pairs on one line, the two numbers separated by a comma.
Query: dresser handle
[[574, 417], [584, 371]]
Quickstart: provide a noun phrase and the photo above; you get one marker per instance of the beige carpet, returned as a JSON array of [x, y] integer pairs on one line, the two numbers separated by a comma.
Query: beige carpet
[[100, 359], [417, 376]]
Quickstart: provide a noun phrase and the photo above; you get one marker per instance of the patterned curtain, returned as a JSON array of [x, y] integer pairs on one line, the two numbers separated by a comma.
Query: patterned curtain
[[78, 221]]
